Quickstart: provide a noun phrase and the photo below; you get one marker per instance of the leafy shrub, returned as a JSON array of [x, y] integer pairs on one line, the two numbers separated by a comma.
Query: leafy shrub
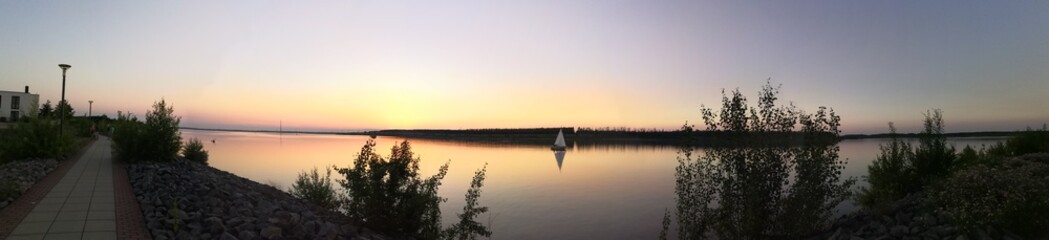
[[890, 173], [388, 195], [194, 151], [155, 140], [900, 170], [1014, 194], [1029, 141], [932, 157], [310, 186], [467, 228], [126, 138], [35, 138]]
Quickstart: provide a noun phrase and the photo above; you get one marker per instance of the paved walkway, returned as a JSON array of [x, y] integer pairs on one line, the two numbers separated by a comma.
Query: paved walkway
[[82, 204]]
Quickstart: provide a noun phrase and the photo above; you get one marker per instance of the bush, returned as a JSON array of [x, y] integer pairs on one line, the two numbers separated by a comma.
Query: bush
[[900, 170], [1029, 141], [35, 138], [889, 174], [194, 151], [388, 195], [155, 140], [310, 186], [1014, 195], [933, 158]]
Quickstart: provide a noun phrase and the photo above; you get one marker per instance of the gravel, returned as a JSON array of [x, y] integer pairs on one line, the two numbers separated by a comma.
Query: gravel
[[187, 200], [17, 176]]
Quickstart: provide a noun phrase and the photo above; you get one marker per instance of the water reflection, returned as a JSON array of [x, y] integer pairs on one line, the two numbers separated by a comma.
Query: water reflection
[[609, 192], [560, 157], [758, 192]]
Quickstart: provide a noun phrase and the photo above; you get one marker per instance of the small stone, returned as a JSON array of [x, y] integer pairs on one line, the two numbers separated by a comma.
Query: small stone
[[992, 232], [247, 235], [214, 225], [899, 230], [310, 226], [227, 236], [835, 235], [271, 232]]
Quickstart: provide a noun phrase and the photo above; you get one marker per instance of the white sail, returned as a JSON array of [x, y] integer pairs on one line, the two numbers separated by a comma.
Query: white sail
[[560, 142]]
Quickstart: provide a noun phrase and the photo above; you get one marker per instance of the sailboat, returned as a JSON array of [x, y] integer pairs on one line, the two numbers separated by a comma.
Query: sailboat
[[559, 144]]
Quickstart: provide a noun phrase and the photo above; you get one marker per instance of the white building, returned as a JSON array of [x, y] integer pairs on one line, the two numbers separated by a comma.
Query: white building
[[16, 105]]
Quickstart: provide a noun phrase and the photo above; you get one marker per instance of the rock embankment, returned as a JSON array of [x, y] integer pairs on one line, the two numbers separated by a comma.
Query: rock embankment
[[909, 218], [186, 200], [17, 176]]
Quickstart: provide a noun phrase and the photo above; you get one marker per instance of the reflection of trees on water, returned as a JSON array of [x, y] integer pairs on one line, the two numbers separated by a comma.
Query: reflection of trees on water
[[757, 187]]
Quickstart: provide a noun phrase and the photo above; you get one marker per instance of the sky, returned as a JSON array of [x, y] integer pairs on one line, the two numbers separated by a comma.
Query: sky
[[349, 65]]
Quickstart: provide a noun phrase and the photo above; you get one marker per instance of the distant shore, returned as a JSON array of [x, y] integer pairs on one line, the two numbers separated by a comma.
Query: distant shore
[[545, 136]]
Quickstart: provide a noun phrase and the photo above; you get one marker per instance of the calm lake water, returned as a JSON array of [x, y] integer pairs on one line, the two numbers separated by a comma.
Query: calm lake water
[[618, 192]]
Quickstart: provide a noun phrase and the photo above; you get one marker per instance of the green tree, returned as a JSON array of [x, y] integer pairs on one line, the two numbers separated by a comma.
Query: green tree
[[64, 108], [387, 194], [467, 228], [156, 139], [194, 151], [46, 111], [161, 132]]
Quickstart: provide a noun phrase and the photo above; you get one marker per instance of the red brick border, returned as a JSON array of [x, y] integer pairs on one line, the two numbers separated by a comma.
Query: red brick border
[[13, 214], [130, 223]]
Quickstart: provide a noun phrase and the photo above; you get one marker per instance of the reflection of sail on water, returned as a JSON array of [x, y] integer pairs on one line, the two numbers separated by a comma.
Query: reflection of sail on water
[[560, 156]]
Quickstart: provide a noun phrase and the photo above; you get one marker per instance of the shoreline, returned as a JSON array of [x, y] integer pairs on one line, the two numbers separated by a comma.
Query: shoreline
[[184, 199], [543, 137]]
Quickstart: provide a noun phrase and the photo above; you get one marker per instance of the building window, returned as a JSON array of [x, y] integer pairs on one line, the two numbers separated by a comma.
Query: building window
[[14, 102], [14, 116]]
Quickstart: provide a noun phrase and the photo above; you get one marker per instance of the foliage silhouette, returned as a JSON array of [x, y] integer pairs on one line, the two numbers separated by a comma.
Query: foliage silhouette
[[388, 195], [35, 138], [156, 139], [46, 110], [63, 107], [900, 169], [890, 176], [467, 227], [194, 151], [1029, 141], [310, 186], [933, 158], [756, 187]]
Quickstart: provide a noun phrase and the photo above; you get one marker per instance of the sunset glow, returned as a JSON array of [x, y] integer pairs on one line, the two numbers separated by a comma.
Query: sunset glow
[[358, 65]]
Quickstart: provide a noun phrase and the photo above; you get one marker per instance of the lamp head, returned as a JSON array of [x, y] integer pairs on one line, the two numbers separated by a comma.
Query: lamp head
[[64, 66]]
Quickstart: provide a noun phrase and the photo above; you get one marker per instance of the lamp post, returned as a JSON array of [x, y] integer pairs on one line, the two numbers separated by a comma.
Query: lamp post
[[89, 104], [62, 113]]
